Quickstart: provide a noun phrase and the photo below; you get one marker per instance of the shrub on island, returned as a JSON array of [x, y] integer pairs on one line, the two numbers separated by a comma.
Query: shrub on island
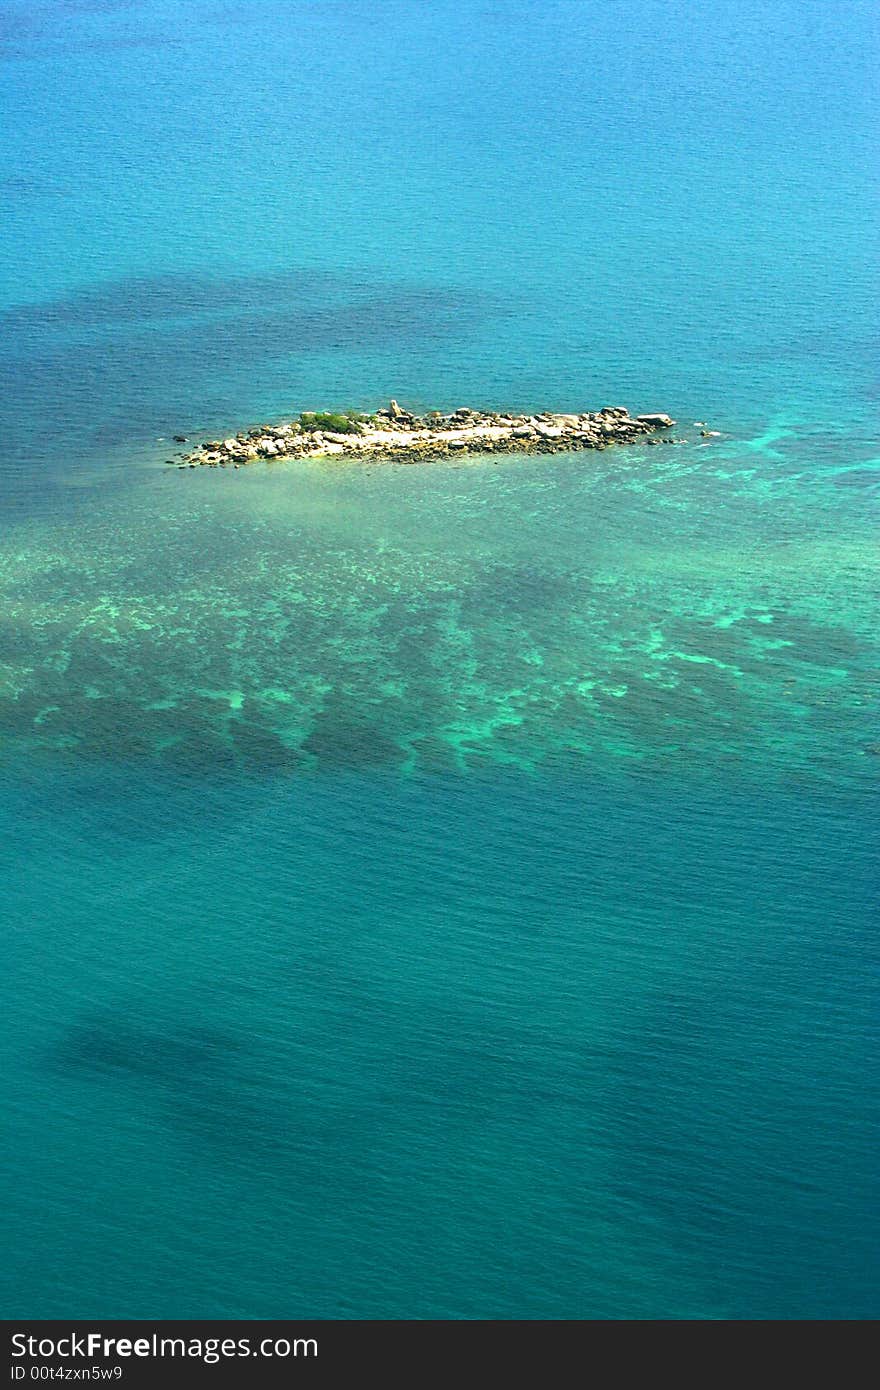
[[311, 421]]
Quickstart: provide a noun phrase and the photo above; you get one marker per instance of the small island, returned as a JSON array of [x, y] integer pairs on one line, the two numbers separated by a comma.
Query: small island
[[397, 435]]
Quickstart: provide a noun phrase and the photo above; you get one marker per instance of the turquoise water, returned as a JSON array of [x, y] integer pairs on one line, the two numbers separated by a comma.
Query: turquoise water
[[439, 891]]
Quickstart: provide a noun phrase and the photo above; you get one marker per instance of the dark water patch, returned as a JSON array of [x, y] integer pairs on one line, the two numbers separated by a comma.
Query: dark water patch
[[101, 7], [118, 725], [18, 24], [859, 479], [522, 588], [21, 185], [221, 1093], [389, 317], [67, 27], [204, 754], [265, 311], [177, 1056], [208, 1084], [345, 735], [435, 755], [828, 644], [260, 750], [138, 299]]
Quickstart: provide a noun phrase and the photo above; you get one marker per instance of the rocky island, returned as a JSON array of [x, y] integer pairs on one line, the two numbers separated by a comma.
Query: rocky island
[[397, 435]]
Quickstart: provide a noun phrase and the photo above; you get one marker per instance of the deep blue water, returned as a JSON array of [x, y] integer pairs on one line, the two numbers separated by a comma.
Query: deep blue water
[[440, 891]]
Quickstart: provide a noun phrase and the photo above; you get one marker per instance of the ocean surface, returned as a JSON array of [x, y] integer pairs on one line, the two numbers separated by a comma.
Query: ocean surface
[[442, 891]]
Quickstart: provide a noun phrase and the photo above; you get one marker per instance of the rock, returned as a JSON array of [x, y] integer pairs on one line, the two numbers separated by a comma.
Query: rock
[[395, 411], [180, 439], [656, 422]]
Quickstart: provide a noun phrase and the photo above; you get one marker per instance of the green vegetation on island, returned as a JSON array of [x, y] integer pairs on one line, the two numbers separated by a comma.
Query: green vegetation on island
[[313, 421]]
